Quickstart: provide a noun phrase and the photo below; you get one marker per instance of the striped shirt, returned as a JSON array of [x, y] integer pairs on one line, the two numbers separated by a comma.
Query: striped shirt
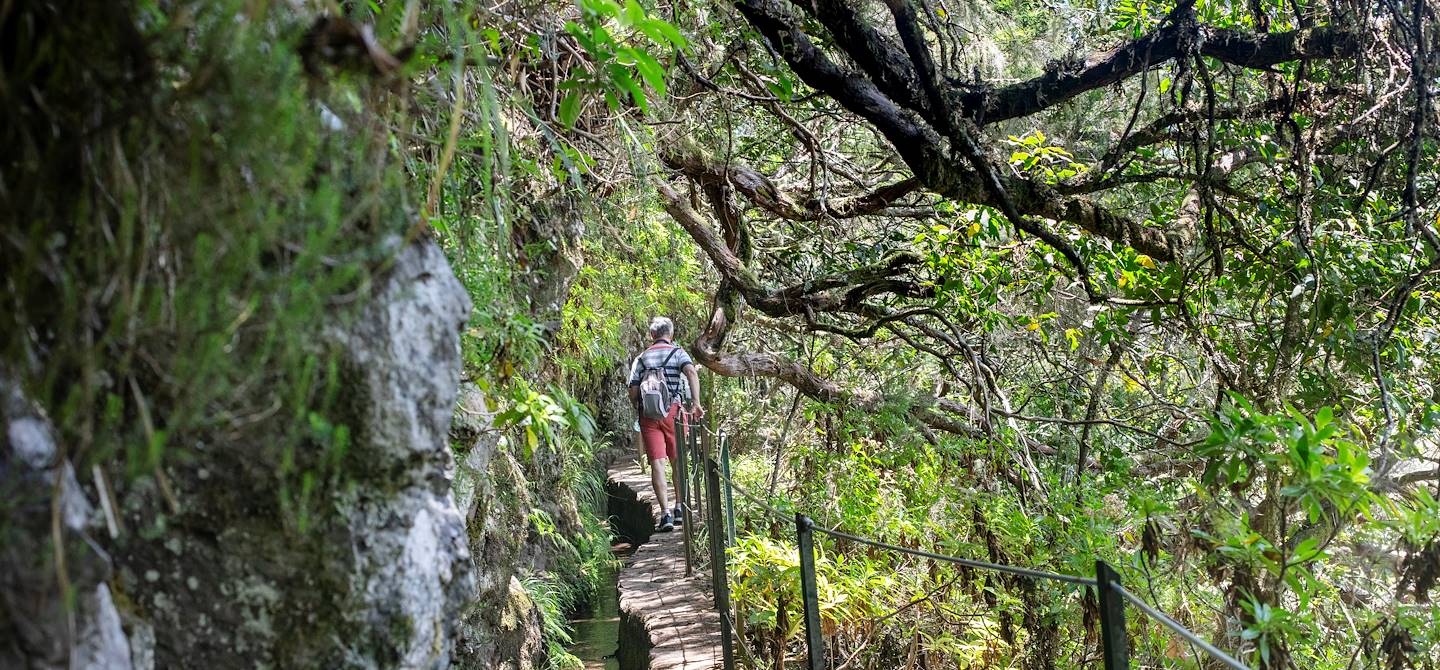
[[654, 357]]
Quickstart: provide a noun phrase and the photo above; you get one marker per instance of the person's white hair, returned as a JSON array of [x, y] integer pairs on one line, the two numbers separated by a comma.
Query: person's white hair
[[661, 327]]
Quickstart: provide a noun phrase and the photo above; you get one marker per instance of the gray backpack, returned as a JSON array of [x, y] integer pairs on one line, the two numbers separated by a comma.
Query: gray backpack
[[655, 397]]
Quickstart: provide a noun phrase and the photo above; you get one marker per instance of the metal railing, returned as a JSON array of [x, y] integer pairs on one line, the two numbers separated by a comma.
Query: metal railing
[[717, 503]]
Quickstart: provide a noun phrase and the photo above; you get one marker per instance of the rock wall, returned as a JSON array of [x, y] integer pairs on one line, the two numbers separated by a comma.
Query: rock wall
[[213, 571], [500, 495], [548, 239], [42, 496], [501, 628], [208, 571], [503, 494], [377, 577], [411, 573], [613, 412], [256, 545]]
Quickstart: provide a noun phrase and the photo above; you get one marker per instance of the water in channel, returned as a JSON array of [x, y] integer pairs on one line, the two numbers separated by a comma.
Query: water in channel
[[596, 637]]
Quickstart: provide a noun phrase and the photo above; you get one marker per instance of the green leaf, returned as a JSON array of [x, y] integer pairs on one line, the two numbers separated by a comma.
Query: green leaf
[[650, 69], [620, 76], [608, 8], [666, 30], [603, 39], [570, 109], [634, 13]]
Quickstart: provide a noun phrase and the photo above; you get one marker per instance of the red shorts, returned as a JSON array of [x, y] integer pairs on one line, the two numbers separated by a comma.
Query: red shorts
[[658, 435]]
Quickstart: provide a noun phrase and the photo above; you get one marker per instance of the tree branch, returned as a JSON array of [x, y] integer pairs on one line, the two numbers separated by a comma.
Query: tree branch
[[926, 151], [841, 292], [1101, 69], [708, 350], [760, 190]]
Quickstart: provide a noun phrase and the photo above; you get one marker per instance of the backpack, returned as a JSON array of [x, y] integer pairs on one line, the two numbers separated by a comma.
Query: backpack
[[655, 390]]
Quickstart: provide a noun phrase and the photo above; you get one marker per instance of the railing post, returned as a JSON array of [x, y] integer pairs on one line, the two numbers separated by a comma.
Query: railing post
[[721, 581], [682, 491], [697, 456], [729, 492], [681, 485], [717, 551], [814, 640], [1114, 645]]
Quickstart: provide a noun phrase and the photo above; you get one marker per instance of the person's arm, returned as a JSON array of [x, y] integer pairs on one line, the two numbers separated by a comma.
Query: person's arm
[[693, 376], [633, 384], [640, 446]]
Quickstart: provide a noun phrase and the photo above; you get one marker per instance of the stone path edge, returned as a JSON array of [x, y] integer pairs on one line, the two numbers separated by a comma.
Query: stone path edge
[[667, 620]]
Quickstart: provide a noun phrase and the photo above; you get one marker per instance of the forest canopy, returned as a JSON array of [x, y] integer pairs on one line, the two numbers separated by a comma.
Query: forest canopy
[[1156, 275]]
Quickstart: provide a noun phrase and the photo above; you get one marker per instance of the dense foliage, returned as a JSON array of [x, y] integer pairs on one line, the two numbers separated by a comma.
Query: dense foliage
[[1144, 282], [1035, 281]]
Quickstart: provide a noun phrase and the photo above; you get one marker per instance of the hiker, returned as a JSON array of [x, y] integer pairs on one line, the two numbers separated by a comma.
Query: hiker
[[662, 378]]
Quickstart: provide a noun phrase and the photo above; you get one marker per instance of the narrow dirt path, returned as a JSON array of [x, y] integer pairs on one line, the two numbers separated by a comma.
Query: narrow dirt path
[[667, 620]]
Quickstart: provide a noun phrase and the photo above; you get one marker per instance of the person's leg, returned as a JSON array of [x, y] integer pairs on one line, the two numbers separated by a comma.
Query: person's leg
[[652, 435], [657, 480], [671, 440]]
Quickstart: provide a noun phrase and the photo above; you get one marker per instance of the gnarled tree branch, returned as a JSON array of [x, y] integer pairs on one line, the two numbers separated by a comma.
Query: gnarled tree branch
[[709, 351], [840, 292], [926, 151], [1250, 50], [763, 192]]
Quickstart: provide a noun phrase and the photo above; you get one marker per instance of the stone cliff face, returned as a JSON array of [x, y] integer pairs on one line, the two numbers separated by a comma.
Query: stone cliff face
[[392, 570], [501, 628], [37, 629], [413, 564], [499, 494], [257, 544], [211, 570], [613, 412]]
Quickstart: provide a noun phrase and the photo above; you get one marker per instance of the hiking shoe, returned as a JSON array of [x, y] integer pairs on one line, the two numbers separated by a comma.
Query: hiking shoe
[[679, 516], [667, 524]]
